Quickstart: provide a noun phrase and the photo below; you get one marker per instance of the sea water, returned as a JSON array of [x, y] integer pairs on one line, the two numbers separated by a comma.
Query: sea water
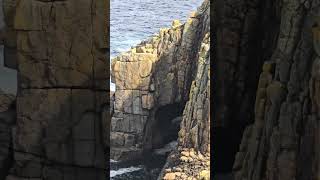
[[132, 21]]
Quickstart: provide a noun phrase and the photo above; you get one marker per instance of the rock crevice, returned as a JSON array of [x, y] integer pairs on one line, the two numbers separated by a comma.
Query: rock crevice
[[155, 74]]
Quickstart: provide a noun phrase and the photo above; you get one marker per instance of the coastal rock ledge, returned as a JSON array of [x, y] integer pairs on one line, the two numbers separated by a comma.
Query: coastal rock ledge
[[163, 81]]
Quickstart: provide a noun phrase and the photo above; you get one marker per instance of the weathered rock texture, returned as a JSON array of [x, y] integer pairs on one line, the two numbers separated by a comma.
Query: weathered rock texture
[[192, 158], [187, 165], [241, 46], [153, 82], [195, 127], [7, 120], [283, 142], [58, 48], [266, 69]]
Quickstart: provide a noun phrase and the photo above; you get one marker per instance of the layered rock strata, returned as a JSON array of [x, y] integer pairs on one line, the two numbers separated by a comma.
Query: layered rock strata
[[58, 48], [153, 79]]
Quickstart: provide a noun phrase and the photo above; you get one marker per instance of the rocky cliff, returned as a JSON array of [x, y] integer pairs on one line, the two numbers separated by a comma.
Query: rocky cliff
[[163, 94], [58, 49], [265, 90], [283, 141], [191, 159], [153, 82]]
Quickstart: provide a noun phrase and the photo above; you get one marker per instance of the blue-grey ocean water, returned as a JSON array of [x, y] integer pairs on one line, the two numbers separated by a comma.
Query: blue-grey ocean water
[[131, 22], [8, 77]]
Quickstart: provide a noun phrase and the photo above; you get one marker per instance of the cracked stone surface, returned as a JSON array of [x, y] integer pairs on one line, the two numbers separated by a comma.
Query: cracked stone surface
[[282, 143], [266, 61], [59, 49], [156, 73]]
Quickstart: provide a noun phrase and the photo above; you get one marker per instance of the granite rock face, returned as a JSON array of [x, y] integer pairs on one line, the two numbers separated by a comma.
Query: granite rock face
[[245, 33], [283, 141], [192, 159], [152, 81], [59, 49], [266, 68], [195, 127], [169, 72]]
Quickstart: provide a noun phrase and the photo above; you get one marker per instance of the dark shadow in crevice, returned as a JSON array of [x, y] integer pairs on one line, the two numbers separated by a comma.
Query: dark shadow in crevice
[[225, 146], [234, 94], [167, 124]]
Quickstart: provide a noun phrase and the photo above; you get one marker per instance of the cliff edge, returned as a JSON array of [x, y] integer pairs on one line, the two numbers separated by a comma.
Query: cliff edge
[[162, 94]]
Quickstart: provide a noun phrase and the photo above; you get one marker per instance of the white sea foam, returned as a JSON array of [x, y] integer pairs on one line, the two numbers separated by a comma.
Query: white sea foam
[[114, 173], [167, 148], [113, 161]]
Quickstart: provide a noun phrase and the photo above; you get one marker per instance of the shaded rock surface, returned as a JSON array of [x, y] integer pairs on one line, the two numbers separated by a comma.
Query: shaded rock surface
[[7, 120], [58, 48], [283, 141], [265, 100], [244, 33]]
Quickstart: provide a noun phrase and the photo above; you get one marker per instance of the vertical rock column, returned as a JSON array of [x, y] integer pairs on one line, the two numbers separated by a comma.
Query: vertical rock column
[[62, 89], [283, 142], [195, 126]]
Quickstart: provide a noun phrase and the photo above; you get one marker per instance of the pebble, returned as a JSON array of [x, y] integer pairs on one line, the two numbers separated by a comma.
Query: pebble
[[192, 154], [193, 166], [208, 163], [184, 176], [200, 156], [170, 176], [183, 158], [205, 175], [185, 153], [178, 169], [185, 149], [191, 178]]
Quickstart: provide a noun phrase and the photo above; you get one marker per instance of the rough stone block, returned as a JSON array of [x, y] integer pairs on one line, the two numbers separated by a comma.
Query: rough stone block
[[84, 152]]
